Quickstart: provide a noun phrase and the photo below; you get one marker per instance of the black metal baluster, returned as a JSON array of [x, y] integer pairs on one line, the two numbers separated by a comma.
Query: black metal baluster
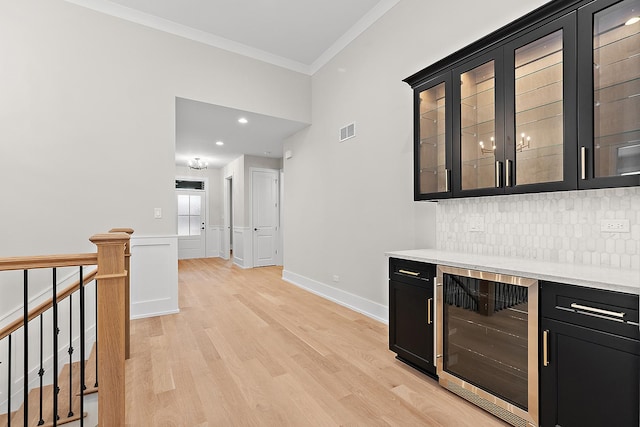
[[56, 331], [96, 323], [25, 301], [70, 414], [41, 371], [9, 386], [82, 355]]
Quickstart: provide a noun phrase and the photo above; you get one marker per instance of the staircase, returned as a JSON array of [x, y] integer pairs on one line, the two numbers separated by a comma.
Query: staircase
[[71, 317], [17, 417]]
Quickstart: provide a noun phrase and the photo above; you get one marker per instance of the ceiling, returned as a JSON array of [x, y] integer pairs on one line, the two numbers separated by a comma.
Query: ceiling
[[300, 35], [200, 125]]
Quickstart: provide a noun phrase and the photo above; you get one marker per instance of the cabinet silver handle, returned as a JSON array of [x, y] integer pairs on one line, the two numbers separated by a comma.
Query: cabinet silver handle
[[497, 174], [429, 319], [545, 348], [507, 172], [583, 162], [410, 273], [446, 180], [619, 314]]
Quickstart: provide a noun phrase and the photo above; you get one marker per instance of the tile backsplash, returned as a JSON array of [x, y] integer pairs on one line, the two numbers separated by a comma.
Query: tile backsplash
[[558, 227]]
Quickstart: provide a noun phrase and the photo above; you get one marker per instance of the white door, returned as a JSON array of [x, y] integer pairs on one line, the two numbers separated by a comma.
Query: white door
[[264, 215], [191, 224]]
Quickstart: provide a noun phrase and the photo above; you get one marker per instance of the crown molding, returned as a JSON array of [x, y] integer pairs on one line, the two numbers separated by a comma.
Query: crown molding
[[161, 24], [358, 28]]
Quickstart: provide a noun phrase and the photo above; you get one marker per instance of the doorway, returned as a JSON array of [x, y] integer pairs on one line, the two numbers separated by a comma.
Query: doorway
[[265, 216]]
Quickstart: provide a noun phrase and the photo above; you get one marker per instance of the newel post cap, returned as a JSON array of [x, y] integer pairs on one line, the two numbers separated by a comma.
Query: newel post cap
[[109, 238], [129, 231]]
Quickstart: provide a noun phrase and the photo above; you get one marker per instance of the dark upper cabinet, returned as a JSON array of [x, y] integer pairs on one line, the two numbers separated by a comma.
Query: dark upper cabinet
[[432, 131], [540, 109], [549, 102], [609, 84], [478, 125]]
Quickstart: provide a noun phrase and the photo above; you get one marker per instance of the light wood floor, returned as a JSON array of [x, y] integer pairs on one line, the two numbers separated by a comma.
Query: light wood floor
[[248, 349]]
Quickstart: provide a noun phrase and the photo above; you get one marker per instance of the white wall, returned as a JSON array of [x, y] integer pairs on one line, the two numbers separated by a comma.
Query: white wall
[[87, 121], [235, 169], [348, 203], [88, 112]]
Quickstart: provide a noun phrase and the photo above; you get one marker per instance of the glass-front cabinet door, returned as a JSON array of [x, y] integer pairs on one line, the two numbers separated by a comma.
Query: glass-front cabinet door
[[609, 93], [478, 126], [540, 109], [433, 139]]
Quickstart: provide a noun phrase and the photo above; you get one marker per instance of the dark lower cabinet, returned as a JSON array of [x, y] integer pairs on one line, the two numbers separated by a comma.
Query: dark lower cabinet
[[590, 358], [411, 313]]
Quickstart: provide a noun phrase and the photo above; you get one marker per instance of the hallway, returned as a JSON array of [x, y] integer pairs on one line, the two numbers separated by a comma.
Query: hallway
[[248, 349]]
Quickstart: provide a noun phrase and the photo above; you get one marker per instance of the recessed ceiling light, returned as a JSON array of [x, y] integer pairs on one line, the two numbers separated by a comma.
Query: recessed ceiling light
[[219, 143], [632, 20], [243, 120]]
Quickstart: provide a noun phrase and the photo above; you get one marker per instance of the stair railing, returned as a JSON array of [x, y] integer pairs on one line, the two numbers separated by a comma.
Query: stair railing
[[112, 326]]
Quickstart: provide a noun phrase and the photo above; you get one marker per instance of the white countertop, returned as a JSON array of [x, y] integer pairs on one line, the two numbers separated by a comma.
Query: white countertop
[[574, 274]]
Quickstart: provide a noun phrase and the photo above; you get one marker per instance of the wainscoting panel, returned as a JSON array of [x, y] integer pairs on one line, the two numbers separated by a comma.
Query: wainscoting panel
[[154, 276], [242, 245], [214, 243]]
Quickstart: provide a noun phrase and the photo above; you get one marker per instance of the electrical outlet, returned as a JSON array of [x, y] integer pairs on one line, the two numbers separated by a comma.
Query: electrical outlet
[[614, 225], [336, 278], [476, 223]]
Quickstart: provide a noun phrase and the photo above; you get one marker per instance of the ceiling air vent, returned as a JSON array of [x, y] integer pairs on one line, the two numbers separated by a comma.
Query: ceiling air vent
[[347, 132]]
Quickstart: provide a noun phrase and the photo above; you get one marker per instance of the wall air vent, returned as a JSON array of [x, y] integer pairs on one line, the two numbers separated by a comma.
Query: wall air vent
[[347, 132]]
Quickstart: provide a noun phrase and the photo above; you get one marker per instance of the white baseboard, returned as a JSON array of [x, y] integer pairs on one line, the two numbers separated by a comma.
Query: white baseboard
[[153, 308], [148, 313], [364, 306]]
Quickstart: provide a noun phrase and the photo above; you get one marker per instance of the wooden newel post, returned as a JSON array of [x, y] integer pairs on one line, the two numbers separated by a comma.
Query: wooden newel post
[[111, 281], [127, 307]]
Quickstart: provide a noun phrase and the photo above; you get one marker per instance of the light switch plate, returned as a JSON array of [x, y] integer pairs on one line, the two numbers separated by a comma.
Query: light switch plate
[[157, 213]]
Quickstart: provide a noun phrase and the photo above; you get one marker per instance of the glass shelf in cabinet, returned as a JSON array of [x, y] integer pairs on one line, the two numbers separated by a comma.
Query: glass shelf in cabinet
[[625, 64], [481, 107], [599, 102], [551, 150], [530, 122], [548, 105], [476, 94], [433, 169], [538, 70], [616, 85], [467, 129], [433, 114], [537, 88], [480, 160], [627, 137], [613, 41], [433, 140]]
